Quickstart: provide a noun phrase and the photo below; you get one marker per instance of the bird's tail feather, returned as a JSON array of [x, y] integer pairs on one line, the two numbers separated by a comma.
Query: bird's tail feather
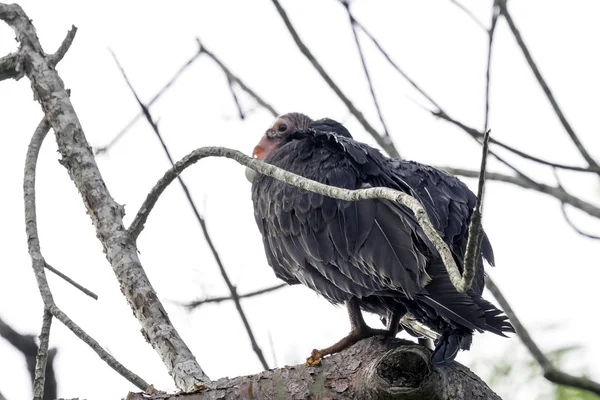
[[447, 346]]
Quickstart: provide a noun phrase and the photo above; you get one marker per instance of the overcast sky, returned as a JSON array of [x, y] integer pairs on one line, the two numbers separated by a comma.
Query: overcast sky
[[547, 271]]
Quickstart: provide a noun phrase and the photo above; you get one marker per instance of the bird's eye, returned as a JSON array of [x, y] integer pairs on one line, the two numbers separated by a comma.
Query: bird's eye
[[282, 127]]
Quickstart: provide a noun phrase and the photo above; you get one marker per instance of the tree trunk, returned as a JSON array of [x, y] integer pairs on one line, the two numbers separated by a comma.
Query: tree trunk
[[374, 368]]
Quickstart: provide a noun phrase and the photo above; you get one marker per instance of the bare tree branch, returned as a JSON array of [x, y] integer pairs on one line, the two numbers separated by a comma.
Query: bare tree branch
[[71, 281], [542, 82], [296, 180], [106, 214], [232, 77], [11, 67], [236, 101], [166, 87], [64, 47], [202, 224], [557, 193], [396, 67], [473, 250], [374, 368], [27, 346], [385, 142], [491, 32], [563, 209], [198, 303], [364, 65], [38, 262], [550, 372], [42, 357], [469, 14]]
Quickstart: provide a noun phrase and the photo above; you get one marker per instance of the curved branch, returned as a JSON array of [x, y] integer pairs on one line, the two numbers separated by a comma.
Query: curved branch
[[550, 372], [296, 180]]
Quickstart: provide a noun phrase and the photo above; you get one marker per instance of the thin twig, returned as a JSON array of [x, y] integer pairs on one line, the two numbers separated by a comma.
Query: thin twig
[[231, 76], [542, 161], [385, 142], [558, 193], [94, 345], [38, 262], [64, 47], [551, 373], [238, 105], [473, 250], [71, 281], [542, 82], [158, 94], [306, 184], [563, 209], [365, 68], [476, 135], [469, 14], [201, 222], [491, 32], [396, 67], [198, 303], [42, 357], [441, 113]]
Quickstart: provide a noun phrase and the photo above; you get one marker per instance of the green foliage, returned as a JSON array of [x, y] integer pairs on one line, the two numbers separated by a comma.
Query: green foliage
[[518, 376]]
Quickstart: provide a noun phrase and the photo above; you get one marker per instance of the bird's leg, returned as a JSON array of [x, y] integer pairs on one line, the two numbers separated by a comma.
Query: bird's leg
[[393, 322], [360, 330]]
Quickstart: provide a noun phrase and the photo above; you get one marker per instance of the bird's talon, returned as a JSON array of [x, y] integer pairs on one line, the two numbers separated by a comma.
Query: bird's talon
[[314, 359]]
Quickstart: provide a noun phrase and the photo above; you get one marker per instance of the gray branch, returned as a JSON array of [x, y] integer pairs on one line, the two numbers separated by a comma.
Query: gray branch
[[551, 373], [198, 303], [71, 281], [38, 262], [234, 78], [384, 141], [27, 346], [296, 180], [106, 214], [542, 82], [556, 192], [374, 368], [41, 359], [202, 223]]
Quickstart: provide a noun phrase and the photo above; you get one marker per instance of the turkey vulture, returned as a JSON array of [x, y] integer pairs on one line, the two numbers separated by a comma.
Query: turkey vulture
[[371, 255]]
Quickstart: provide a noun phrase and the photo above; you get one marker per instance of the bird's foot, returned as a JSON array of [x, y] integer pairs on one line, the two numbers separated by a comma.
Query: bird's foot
[[354, 336]]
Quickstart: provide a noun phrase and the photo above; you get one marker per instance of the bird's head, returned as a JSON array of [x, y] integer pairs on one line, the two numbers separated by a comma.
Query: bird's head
[[289, 124], [284, 125]]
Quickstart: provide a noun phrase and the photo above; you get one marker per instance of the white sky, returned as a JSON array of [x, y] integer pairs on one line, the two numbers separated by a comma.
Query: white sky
[[547, 271]]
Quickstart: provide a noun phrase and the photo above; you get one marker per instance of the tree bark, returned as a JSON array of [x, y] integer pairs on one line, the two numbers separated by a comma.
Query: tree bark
[[106, 214], [375, 368]]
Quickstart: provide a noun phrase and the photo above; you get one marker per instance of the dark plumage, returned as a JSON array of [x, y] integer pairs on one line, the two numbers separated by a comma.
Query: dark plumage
[[370, 254]]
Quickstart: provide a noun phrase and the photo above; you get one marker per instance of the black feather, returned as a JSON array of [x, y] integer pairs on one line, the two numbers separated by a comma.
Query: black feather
[[373, 250]]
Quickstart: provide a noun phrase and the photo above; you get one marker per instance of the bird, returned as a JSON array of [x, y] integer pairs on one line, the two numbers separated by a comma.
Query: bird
[[370, 255]]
